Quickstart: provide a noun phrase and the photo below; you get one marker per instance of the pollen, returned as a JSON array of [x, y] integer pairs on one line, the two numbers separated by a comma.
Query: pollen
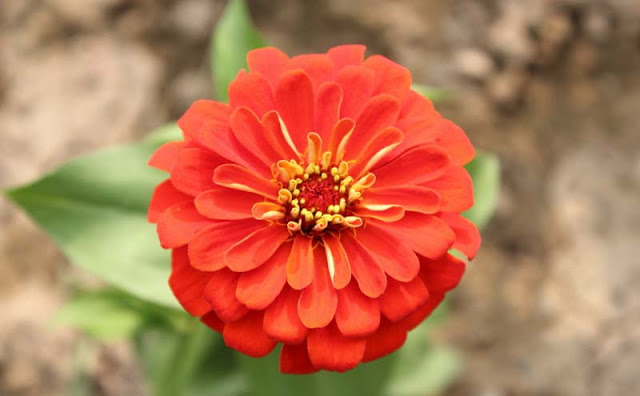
[[317, 197]]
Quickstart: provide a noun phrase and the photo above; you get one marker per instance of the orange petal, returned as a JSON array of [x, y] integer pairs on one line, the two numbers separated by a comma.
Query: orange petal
[[318, 67], [164, 196], [240, 178], [188, 284], [179, 224], [391, 78], [411, 198], [394, 255], [255, 249], [268, 61], [388, 214], [401, 299], [425, 234], [300, 263], [345, 55], [328, 101], [281, 320], [207, 249], [414, 319], [357, 315], [467, 236], [294, 101], [456, 142], [251, 90], [226, 204], [246, 335], [213, 321], [260, 287], [376, 149], [386, 340], [378, 113], [357, 83], [294, 359], [341, 131], [277, 138], [248, 129], [455, 189], [165, 157], [337, 261], [415, 166], [193, 170], [201, 112], [318, 301], [364, 267], [220, 293], [441, 275], [330, 350]]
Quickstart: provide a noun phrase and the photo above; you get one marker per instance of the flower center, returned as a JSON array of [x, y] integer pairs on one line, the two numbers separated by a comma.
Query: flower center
[[317, 197]]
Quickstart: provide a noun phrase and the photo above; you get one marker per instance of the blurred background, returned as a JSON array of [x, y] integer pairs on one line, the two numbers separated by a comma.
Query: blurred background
[[551, 305]]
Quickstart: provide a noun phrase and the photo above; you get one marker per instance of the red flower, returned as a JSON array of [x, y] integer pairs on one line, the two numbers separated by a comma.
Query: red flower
[[316, 209]]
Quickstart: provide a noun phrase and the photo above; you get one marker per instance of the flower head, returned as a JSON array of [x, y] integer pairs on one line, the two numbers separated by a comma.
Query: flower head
[[316, 209]]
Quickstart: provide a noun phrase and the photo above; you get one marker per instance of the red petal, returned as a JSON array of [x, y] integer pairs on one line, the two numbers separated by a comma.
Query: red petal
[[268, 61], [330, 350], [255, 249], [415, 166], [295, 101], [376, 149], [164, 196], [300, 263], [413, 320], [202, 112], [179, 224], [425, 234], [357, 84], [248, 129], [456, 142], [207, 249], [391, 78], [386, 340], [364, 267], [389, 214], [416, 105], [280, 142], [213, 321], [246, 335], [379, 112], [394, 255], [328, 101], [251, 90], [443, 274], [281, 320], [165, 157], [357, 315], [342, 128], [345, 55], [318, 67], [260, 287], [411, 198], [318, 301], [401, 299], [220, 293], [240, 178], [188, 284], [337, 257], [193, 170], [467, 235], [226, 204], [294, 359], [455, 189]]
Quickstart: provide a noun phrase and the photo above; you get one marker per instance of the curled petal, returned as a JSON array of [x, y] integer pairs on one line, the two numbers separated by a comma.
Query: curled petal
[[377, 148], [278, 136], [267, 211], [246, 335]]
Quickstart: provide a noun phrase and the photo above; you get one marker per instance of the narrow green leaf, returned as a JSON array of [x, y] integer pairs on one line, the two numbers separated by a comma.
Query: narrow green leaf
[[233, 37], [485, 172], [95, 208], [432, 93]]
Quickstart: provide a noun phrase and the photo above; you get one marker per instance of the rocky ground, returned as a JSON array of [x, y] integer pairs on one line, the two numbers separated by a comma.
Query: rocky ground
[[551, 306]]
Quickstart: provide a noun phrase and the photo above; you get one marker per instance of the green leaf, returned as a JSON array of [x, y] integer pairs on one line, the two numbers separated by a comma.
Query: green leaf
[[264, 378], [432, 93], [95, 208], [100, 314], [233, 37], [485, 172]]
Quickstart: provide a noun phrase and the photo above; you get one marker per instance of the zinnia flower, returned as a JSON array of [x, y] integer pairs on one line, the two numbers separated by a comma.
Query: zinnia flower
[[317, 209]]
